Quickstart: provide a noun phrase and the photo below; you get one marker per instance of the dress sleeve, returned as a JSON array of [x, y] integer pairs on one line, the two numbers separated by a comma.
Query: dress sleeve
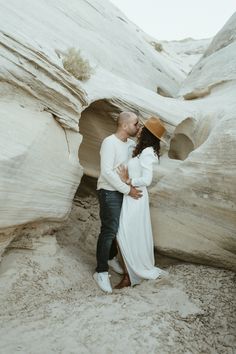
[[147, 159]]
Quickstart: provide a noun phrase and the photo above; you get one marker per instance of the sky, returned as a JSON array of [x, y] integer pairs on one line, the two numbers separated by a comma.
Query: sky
[[178, 19]]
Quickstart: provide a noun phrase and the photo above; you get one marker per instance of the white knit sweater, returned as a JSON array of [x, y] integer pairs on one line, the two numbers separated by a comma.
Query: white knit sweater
[[113, 153]]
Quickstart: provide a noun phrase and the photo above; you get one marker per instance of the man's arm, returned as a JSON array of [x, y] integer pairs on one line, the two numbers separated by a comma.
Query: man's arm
[[135, 193], [107, 154]]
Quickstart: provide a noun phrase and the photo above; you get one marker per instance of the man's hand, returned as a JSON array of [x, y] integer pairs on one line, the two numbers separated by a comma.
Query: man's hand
[[135, 193]]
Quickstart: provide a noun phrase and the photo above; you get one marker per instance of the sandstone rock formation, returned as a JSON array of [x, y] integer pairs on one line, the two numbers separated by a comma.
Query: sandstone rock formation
[[46, 112], [41, 103], [194, 207]]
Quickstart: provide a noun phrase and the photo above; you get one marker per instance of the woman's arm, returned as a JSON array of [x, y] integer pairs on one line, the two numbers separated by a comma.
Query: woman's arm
[[147, 158]]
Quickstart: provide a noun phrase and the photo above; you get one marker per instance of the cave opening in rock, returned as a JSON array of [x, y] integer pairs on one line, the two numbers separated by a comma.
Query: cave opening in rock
[[96, 122], [182, 144], [180, 147]]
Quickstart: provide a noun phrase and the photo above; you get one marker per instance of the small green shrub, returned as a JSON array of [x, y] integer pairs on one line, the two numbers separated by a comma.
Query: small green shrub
[[157, 46], [76, 65]]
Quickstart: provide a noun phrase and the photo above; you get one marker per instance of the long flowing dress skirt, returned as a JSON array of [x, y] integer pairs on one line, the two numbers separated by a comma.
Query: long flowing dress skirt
[[135, 238]]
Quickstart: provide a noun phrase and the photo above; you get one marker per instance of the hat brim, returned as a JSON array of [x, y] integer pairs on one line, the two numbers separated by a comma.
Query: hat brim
[[161, 139]]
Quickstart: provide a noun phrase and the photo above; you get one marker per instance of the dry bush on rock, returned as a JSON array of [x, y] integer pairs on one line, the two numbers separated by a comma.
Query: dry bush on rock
[[157, 46], [76, 65]]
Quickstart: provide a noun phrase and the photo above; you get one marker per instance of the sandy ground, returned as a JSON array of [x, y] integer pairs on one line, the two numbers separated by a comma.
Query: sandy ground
[[49, 302]]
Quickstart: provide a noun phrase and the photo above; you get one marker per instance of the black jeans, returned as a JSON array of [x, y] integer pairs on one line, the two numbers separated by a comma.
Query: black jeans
[[110, 207]]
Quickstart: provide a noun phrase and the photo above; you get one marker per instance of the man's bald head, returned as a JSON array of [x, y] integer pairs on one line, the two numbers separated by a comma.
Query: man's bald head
[[127, 125], [125, 117]]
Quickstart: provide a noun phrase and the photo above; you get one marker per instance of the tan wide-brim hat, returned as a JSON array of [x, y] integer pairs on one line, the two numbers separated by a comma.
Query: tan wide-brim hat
[[156, 127]]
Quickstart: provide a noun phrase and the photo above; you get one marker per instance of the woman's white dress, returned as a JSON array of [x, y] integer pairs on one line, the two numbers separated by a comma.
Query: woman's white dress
[[135, 231]]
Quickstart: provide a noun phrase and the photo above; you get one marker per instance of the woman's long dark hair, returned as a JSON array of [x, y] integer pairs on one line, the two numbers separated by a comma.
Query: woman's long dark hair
[[147, 139]]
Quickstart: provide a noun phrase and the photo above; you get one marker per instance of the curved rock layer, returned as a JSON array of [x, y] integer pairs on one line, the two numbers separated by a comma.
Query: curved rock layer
[[103, 34], [39, 171]]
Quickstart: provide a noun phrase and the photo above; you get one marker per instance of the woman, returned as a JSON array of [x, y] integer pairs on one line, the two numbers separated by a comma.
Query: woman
[[135, 232]]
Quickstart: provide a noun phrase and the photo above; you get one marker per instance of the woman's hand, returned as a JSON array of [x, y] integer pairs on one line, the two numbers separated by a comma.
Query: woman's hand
[[123, 173]]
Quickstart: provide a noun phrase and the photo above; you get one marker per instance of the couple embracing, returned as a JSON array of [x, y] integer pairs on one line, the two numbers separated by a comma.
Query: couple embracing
[[126, 171]]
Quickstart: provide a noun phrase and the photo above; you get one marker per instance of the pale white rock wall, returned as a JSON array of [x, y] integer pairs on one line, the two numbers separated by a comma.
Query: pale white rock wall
[[194, 204], [39, 167]]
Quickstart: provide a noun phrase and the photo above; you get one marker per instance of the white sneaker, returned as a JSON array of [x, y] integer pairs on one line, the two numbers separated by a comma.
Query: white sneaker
[[103, 281], [115, 265]]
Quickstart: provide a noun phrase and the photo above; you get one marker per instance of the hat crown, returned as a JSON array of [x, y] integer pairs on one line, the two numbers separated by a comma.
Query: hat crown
[[155, 126]]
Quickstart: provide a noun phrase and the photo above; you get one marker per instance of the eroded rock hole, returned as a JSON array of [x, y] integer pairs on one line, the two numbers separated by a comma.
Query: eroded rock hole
[[96, 122], [182, 142], [180, 147]]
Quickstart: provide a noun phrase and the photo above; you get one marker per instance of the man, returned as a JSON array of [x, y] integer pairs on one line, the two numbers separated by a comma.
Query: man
[[116, 149]]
